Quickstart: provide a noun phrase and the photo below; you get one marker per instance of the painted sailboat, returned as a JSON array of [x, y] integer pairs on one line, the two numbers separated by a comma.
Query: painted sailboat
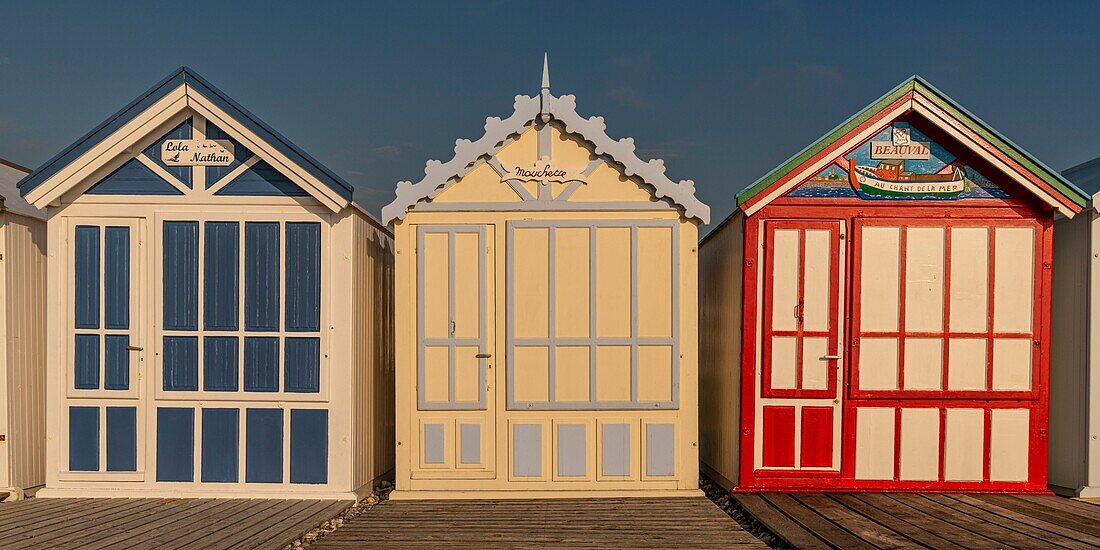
[[889, 179]]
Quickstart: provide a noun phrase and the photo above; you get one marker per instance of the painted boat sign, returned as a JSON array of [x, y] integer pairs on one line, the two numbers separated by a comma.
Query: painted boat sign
[[196, 152], [542, 170]]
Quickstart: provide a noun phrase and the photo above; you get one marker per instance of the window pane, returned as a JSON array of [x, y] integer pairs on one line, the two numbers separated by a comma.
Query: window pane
[[116, 278], [219, 363], [264, 446], [83, 439], [219, 445], [220, 277], [303, 277], [261, 364], [121, 439], [261, 277], [309, 446], [87, 276], [175, 444], [181, 275], [86, 362], [181, 363], [302, 364], [117, 364]]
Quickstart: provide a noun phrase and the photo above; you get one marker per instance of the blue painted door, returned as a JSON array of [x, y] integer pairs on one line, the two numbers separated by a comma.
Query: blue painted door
[[104, 346]]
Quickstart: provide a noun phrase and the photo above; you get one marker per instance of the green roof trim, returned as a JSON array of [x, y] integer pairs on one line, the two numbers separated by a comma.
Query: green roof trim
[[921, 86]]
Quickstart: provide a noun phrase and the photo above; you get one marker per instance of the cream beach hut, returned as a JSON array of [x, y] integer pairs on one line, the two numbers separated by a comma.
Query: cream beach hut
[[22, 338], [546, 311], [218, 312]]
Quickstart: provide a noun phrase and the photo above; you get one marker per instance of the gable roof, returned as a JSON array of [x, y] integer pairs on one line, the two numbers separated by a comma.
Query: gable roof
[[197, 85], [1072, 198], [1085, 176], [526, 110], [10, 174]]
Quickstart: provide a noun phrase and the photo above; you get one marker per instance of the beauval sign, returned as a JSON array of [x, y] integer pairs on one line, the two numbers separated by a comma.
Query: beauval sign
[[196, 152]]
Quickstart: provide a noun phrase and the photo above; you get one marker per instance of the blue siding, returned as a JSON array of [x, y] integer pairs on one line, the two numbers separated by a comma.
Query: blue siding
[[303, 365], [261, 276], [181, 363], [183, 131], [116, 364], [264, 446], [175, 444], [220, 428], [309, 446], [116, 278], [240, 154], [83, 439], [181, 275], [121, 439], [133, 178], [219, 363], [262, 179], [303, 276], [261, 363], [87, 276], [221, 273], [86, 362]]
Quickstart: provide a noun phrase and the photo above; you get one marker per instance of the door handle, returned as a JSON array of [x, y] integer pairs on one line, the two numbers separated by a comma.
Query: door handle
[[830, 357], [134, 348], [483, 355]]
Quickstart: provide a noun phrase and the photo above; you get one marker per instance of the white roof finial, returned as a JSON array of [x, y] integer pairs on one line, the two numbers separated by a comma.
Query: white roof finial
[[545, 95], [545, 71]]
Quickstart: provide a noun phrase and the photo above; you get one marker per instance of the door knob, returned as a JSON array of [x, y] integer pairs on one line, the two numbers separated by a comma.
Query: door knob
[[830, 357], [134, 348], [483, 355]]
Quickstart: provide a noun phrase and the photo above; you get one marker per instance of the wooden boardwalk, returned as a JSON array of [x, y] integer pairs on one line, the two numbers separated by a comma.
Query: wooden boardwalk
[[882, 520], [165, 524], [607, 523]]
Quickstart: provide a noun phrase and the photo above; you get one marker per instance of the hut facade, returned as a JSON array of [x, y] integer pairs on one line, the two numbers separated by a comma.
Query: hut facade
[[546, 310], [218, 312], [876, 312], [1075, 363], [22, 338]]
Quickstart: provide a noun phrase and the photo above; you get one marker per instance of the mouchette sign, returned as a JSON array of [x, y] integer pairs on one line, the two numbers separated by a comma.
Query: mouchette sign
[[542, 170]]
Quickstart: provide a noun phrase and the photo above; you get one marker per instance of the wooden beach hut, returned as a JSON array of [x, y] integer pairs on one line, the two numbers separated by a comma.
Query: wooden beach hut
[[218, 310], [546, 315], [1075, 360], [876, 312], [22, 338]]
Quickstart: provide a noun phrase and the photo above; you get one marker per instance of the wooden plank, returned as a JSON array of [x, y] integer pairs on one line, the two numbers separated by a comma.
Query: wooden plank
[[103, 529], [1003, 535], [777, 522], [92, 518], [898, 524], [820, 526], [926, 521], [855, 523], [1022, 518], [1044, 513], [245, 531], [997, 521], [280, 534], [1078, 507], [226, 520], [172, 513], [13, 509], [214, 515], [47, 507]]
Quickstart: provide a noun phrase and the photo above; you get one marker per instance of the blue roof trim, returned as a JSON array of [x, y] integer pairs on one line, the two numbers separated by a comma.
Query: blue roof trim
[[207, 90]]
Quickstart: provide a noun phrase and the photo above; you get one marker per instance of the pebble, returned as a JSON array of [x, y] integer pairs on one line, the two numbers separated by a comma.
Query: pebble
[[721, 498], [380, 494]]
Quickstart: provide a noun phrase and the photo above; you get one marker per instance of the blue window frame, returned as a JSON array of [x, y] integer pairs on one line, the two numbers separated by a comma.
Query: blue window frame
[[260, 291]]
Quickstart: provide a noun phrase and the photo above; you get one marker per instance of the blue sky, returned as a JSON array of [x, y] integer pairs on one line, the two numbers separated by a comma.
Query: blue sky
[[722, 91]]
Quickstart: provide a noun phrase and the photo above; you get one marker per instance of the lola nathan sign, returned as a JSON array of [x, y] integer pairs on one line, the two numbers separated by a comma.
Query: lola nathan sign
[[196, 152]]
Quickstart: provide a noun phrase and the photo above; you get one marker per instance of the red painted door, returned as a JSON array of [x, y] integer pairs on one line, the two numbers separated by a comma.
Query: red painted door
[[798, 401]]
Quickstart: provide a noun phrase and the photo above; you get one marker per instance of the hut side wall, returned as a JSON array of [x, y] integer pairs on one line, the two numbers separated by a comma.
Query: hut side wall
[[720, 310], [372, 273], [1074, 456], [24, 266]]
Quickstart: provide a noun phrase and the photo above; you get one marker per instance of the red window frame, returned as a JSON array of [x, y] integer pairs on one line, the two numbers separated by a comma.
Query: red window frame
[[989, 335], [833, 330]]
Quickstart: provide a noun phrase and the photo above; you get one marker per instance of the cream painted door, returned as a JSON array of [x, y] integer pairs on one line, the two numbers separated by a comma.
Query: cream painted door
[[454, 359], [104, 349], [798, 410]]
